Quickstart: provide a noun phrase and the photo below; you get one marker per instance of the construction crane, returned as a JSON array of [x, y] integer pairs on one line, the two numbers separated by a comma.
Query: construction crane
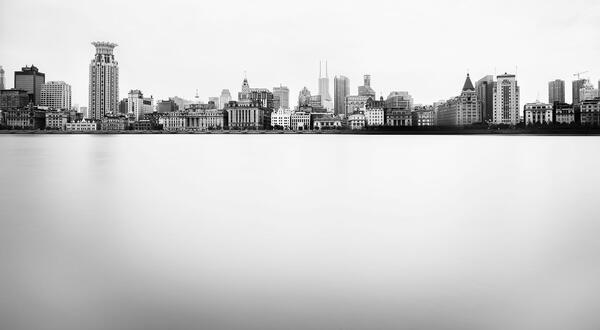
[[578, 74]]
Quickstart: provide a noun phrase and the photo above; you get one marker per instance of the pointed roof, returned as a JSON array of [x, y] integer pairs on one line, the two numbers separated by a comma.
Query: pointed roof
[[468, 84]]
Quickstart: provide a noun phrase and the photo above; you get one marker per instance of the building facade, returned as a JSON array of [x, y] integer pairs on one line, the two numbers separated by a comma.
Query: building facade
[[247, 116], [281, 119], [82, 126], [341, 90], [366, 89], [56, 120], [13, 99], [283, 94], [103, 81], [538, 113], [355, 103], [590, 112], [506, 100], [485, 95], [564, 114], [357, 121], [138, 105], [424, 116], [556, 91], [577, 85], [462, 110], [30, 79], [225, 98], [56, 95]]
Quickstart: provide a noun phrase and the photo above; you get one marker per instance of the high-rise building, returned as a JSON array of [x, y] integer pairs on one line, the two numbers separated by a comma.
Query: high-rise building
[[282, 93], [56, 94], [341, 89], [485, 96], [556, 91], [587, 92], [506, 100], [225, 98], [138, 105], [326, 101], [2, 80], [31, 80], [366, 89], [577, 84], [104, 81]]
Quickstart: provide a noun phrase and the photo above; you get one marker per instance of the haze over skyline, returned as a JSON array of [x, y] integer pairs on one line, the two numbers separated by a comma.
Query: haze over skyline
[[425, 47]]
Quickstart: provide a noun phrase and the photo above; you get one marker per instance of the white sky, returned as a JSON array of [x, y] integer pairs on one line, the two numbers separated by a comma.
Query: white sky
[[174, 47]]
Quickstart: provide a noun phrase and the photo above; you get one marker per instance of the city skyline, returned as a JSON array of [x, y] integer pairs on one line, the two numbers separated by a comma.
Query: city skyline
[[156, 67]]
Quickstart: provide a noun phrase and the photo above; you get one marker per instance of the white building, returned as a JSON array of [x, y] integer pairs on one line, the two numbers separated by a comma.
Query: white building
[[300, 121], [56, 95], [104, 81], [281, 118], [137, 105], [81, 126], [587, 92], [538, 113], [173, 122], [506, 100], [375, 117], [357, 121]]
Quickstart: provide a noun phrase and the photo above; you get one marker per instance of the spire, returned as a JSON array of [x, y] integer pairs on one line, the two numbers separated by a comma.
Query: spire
[[320, 74], [326, 70], [468, 84]]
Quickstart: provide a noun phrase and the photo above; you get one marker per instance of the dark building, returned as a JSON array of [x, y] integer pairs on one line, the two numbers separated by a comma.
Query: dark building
[[123, 106], [25, 118], [485, 96], [167, 106], [556, 91], [30, 79], [577, 85], [13, 99]]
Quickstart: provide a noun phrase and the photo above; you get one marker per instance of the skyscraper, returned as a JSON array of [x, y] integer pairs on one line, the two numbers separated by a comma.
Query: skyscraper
[[485, 96], [2, 83], [225, 98], [577, 85], [324, 88], [30, 80], [283, 94], [556, 91], [104, 81], [366, 89], [138, 105], [56, 94], [507, 100], [341, 89]]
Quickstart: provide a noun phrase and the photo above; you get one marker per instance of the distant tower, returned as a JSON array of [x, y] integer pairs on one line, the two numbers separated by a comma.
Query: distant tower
[[577, 86], [104, 81], [556, 91], [225, 98], [30, 79], [341, 89], [324, 87], [245, 93], [366, 89], [2, 83], [283, 94]]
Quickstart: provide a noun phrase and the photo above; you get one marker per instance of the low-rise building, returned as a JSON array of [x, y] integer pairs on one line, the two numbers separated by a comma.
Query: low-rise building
[[564, 114], [538, 114], [26, 118], [173, 121], [143, 125], [590, 112], [300, 121], [327, 123], [424, 116], [202, 120], [357, 121], [281, 119], [81, 126], [56, 120], [114, 123], [355, 103], [248, 116], [375, 113]]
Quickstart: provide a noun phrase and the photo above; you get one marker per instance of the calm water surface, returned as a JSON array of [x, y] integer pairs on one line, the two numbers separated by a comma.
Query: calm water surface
[[299, 232]]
